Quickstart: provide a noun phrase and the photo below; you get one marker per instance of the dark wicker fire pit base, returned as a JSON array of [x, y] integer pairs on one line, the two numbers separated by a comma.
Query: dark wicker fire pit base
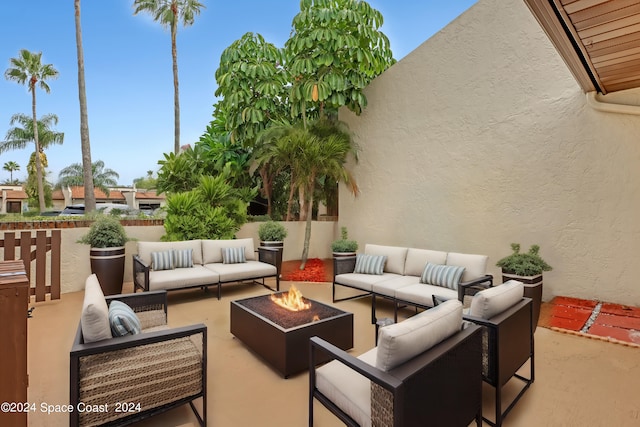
[[258, 321]]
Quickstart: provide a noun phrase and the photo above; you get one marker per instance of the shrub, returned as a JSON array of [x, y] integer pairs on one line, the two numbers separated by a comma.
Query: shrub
[[272, 231], [344, 244], [105, 232], [524, 264]]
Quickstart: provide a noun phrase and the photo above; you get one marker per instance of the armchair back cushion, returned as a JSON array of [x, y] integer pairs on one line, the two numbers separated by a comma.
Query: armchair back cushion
[[212, 249], [396, 256], [402, 341], [145, 249], [489, 302], [418, 258], [475, 266], [95, 312]]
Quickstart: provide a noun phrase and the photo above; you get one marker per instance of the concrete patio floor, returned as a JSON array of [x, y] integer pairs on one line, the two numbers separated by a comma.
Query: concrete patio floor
[[579, 381]]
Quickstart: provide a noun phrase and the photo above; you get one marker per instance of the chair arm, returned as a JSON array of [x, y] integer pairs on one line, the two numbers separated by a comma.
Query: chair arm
[[268, 255], [473, 286], [80, 349], [343, 265], [140, 274], [142, 302], [374, 374]]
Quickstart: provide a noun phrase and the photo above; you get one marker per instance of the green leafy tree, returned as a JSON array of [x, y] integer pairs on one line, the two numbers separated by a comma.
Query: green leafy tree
[[169, 13], [11, 167], [212, 210], [31, 186], [28, 69], [335, 50], [181, 172], [85, 143], [147, 182], [103, 178]]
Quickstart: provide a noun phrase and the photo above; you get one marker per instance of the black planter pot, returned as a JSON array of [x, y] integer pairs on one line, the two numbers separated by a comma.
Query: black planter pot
[[532, 289], [108, 265]]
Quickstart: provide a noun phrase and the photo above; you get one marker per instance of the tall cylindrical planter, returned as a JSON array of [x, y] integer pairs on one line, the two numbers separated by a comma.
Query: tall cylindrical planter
[[279, 245], [108, 266], [532, 289]]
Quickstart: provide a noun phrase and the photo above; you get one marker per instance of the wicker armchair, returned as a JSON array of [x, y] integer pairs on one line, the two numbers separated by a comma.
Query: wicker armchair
[[441, 385], [508, 341], [134, 377]]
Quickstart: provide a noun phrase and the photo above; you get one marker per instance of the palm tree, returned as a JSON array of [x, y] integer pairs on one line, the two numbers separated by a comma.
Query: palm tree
[[168, 13], [85, 143], [28, 69], [10, 167], [73, 175]]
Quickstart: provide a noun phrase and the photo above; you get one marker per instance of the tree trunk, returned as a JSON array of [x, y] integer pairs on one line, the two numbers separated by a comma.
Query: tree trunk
[[176, 96], [39, 174], [307, 236], [87, 171]]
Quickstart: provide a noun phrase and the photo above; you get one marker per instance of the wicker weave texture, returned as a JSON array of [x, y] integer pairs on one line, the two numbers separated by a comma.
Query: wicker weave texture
[[381, 406], [152, 375], [152, 318]]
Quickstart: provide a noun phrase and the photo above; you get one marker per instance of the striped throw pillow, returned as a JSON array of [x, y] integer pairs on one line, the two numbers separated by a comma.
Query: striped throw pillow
[[123, 320], [233, 255], [183, 258], [162, 260], [370, 264], [447, 276]]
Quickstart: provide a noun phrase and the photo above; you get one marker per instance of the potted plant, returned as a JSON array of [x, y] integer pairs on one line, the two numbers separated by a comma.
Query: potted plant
[[107, 238], [526, 268], [272, 234], [343, 246]]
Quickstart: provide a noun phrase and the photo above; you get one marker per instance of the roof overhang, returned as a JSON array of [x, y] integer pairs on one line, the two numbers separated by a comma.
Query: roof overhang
[[599, 40]]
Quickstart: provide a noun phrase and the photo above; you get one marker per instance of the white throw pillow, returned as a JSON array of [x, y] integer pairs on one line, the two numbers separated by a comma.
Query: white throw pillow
[[95, 312], [486, 304], [402, 341]]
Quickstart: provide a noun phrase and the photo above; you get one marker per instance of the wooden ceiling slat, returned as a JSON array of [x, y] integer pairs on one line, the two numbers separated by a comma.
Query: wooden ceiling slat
[[610, 27], [619, 32], [619, 54], [605, 47], [576, 6], [631, 68], [618, 67], [582, 21], [618, 60], [623, 86]]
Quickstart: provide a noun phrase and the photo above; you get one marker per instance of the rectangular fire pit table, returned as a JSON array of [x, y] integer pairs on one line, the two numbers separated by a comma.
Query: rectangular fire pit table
[[281, 337]]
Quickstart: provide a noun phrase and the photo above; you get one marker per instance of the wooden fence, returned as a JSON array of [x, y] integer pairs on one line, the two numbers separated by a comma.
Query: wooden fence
[[43, 243]]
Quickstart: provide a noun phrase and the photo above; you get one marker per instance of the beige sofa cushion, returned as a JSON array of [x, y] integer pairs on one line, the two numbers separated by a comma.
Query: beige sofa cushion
[[402, 341], [94, 320], [489, 302], [182, 278], [145, 249], [418, 258], [396, 256], [475, 266], [212, 249]]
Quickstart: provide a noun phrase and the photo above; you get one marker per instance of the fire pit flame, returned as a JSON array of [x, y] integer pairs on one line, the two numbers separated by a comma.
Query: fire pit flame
[[291, 300]]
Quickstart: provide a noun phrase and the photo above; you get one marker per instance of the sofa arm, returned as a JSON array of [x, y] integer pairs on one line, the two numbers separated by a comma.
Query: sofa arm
[[473, 286], [342, 265], [140, 274]]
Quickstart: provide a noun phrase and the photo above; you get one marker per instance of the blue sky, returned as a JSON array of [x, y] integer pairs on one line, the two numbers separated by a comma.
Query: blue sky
[[128, 70]]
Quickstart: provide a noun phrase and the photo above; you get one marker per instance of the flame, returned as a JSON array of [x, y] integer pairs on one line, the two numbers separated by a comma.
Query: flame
[[291, 300]]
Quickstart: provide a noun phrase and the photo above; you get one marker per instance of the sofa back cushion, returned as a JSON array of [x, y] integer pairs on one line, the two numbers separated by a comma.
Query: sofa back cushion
[[402, 341], [489, 302], [475, 266], [94, 320], [418, 258], [396, 256], [145, 249], [212, 249]]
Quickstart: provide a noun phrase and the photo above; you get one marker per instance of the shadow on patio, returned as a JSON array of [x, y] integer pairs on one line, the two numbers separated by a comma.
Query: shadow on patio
[[579, 381]]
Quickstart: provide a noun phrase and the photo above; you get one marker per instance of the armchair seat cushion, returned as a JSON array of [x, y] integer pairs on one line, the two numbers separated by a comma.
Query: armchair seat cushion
[[363, 281], [181, 277], [349, 390], [242, 271], [422, 294]]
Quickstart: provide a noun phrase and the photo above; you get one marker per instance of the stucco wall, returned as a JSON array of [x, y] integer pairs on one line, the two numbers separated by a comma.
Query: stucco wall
[[481, 137]]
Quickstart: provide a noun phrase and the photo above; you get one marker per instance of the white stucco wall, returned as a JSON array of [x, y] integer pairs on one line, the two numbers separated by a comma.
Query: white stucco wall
[[481, 137]]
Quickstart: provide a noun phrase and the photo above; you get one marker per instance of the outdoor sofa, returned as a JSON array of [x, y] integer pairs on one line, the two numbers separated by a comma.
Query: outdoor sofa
[[410, 276], [202, 263], [126, 364]]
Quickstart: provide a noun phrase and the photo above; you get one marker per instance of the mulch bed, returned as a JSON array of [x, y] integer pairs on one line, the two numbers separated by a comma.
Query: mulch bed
[[316, 270]]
